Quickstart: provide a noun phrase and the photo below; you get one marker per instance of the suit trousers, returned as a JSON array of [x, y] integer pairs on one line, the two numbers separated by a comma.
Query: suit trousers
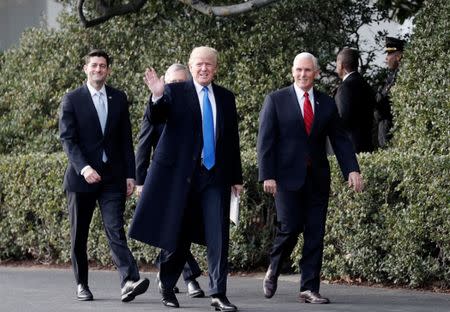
[[191, 269], [81, 207], [300, 211], [210, 203]]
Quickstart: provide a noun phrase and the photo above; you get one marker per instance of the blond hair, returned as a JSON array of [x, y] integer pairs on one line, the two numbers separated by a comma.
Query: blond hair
[[203, 51]]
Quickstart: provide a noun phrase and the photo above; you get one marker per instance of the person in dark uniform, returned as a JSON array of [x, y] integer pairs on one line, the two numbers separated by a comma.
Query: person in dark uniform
[[148, 139], [355, 101], [383, 112]]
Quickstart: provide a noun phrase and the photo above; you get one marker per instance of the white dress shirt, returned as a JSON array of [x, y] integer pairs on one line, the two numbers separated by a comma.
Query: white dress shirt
[[301, 97], [346, 75], [95, 96], [212, 99]]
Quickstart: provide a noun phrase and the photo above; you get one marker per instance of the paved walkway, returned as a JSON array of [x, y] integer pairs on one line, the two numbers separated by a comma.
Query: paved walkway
[[53, 290]]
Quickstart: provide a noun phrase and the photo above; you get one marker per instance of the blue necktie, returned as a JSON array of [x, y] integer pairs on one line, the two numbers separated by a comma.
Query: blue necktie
[[208, 132]]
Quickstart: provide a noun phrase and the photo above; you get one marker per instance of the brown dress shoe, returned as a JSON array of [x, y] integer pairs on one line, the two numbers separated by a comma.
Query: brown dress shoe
[[312, 297], [270, 283]]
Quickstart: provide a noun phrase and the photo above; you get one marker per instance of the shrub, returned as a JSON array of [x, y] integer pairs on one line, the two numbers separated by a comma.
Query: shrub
[[397, 231], [34, 220], [421, 101]]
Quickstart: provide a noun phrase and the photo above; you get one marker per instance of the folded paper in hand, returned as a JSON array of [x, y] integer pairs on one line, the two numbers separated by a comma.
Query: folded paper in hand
[[234, 208]]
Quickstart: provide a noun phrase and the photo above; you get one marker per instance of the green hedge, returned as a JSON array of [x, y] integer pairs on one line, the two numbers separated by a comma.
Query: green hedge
[[397, 231], [34, 219], [421, 96]]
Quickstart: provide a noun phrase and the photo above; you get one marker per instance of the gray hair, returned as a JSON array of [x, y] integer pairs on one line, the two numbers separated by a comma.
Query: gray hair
[[306, 55], [177, 67]]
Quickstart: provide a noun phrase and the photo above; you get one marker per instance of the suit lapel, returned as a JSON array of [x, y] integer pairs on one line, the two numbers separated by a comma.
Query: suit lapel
[[110, 111], [317, 112], [295, 109], [220, 122], [193, 102]]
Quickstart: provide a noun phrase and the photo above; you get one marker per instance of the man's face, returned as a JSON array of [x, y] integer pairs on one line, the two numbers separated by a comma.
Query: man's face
[[393, 59], [304, 73], [96, 70], [203, 68], [176, 76]]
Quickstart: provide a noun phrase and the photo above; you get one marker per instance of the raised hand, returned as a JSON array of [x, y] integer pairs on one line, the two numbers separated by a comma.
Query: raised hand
[[153, 82]]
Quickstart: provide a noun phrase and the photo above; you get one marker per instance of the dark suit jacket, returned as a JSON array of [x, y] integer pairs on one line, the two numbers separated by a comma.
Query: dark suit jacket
[[148, 139], [159, 214], [83, 141], [284, 148], [355, 100]]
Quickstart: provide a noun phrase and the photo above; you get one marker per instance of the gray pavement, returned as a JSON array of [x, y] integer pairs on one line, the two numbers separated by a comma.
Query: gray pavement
[[39, 290]]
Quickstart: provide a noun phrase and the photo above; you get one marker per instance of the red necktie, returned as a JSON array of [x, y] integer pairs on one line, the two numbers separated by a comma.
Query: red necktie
[[308, 115]]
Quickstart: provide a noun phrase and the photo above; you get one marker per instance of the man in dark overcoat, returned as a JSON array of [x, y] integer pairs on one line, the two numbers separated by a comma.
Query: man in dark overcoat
[[148, 140], [196, 166]]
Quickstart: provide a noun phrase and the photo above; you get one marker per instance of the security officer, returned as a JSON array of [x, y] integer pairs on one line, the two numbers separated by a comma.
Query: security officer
[[383, 113]]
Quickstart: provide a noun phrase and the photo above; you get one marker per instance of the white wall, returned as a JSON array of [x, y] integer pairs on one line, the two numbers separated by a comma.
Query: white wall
[[17, 15], [368, 34]]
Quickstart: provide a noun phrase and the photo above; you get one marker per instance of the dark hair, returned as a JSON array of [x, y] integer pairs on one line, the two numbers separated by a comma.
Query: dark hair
[[349, 59], [98, 53]]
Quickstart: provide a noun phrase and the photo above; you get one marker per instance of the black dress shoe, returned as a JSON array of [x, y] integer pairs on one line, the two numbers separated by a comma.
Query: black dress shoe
[[270, 283], [309, 296], [169, 299], [194, 290], [132, 289], [158, 282], [83, 293], [221, 303]]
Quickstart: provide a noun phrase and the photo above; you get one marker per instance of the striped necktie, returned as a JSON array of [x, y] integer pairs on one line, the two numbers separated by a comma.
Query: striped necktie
[[308, 115]]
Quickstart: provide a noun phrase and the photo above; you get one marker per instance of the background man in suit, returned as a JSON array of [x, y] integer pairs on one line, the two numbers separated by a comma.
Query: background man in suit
[[148, 139], [95, 132], [294, 124], [186, 195], [355, 101], [383, 112]]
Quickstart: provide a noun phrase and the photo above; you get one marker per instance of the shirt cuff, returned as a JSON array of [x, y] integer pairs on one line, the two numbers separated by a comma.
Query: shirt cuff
[[156, 98], [84, 169]]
